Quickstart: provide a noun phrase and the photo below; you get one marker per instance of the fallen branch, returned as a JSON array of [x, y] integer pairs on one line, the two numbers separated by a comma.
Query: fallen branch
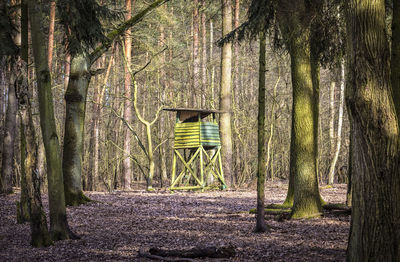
[[196, 252], [145, 254]]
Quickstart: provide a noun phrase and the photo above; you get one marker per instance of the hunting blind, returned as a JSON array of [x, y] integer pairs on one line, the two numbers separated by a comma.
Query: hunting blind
[[197, 160]]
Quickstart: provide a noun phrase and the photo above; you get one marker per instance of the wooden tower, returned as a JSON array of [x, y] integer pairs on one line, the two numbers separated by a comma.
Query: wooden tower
[[197, 150]]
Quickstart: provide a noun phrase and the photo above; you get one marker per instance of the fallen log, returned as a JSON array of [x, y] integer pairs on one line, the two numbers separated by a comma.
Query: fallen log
[[196, 252], [145, 254]]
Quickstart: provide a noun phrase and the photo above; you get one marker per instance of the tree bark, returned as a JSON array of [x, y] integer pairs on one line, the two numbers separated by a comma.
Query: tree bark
[[261, 167], [226, 95], [196, 54], [23, 204], [395, 59], [204, 56], [40, 236], [51, 33], [58, 218], [374, 231], [75, 98], [127, 175], [7, 168], [303, 155], [331, 173]]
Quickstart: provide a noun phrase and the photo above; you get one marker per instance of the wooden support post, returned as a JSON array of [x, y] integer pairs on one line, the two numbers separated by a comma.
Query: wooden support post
[[201, 166]]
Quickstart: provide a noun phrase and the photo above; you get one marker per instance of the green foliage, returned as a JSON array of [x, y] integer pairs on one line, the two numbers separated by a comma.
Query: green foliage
[[82, 21]]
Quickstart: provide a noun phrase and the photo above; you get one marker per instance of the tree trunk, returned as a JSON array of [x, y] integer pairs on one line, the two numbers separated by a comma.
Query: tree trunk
[[212, 89], [331, 173], [51, 33], [374, 231], [164, 88], [75, 98], [58, 218], [261, 168], [23, 204], [40, 236], [204, 56], [196, 54], [7, 168], [340, 124], [127, 176], [303, 155], [395, 59], [226, 94]]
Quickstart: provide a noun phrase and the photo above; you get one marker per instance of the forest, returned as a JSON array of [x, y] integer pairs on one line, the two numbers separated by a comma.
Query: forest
[[199, 130]]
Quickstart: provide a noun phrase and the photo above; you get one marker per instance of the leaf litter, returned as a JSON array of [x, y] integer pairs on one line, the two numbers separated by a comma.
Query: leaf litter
[[119, 224]]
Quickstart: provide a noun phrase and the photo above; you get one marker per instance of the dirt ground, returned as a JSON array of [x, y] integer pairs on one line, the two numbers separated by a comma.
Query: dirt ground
[[119, 224]]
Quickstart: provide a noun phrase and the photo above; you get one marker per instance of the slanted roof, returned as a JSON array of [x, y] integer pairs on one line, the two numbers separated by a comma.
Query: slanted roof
[[187, 113]]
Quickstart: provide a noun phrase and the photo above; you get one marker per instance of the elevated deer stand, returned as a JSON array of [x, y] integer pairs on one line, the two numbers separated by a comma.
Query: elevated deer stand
[[197, 149]]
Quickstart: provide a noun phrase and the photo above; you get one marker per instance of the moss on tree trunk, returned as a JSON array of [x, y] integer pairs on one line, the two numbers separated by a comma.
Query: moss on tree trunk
[[58, 217], [303, 149], [375, 231]]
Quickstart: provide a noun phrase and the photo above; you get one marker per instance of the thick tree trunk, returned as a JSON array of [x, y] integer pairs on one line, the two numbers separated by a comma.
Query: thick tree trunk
[[375, 231], [75, 98], [226, 95], [395, 59], [127, 175], [261, 167], [58, 218], [303, 149]]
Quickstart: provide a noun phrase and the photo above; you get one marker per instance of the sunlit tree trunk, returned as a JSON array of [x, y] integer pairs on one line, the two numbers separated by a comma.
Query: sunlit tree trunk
[[204, 56], [303, 183], [196, 55], [375, 231], [226, 94], [339, 128], [127, 175], [51, 33]]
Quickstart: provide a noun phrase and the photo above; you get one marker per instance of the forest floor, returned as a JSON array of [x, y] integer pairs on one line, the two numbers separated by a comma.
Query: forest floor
[[118, 225]]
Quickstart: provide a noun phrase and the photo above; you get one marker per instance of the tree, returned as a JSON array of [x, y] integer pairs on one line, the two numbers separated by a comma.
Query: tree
[[127, 102], [196, 55], [7, 169], [225, 103], [296, 32], [58, 220], [262, 165], [374, 232], [82, 38], [11, 40], [339, 128]]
